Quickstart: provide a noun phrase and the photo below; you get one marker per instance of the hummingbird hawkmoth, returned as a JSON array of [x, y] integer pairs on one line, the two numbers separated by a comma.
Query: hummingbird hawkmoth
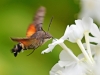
[[35, 35]]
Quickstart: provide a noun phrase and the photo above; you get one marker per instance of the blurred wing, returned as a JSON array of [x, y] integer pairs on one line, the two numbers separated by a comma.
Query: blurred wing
[[37, 22], [39, 17], [25, 41], [29, 41], [31, 30]]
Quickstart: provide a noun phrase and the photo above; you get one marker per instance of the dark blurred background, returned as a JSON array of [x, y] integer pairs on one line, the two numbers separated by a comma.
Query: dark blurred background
[[15, 16]]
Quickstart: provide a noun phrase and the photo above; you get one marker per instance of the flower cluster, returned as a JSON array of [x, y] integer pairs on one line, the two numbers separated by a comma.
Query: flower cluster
[[90, 8], [86, 63]]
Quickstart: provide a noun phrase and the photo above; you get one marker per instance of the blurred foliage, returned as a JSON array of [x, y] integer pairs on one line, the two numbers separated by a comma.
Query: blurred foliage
[[15, 16]]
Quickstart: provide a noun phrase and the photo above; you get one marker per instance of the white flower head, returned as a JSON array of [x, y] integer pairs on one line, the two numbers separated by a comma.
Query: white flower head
[[75, 33], [87, 62], [68, 66], [79, 30]]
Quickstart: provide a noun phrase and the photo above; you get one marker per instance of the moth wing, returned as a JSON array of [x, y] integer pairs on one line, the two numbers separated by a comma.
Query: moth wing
[[25, 41], [37, 22], [31, 30], [39, 18], [29, 41]]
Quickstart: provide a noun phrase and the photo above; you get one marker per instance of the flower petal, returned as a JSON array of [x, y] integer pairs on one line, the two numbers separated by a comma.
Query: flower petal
[[79, 24], [75, 33], [56, 70], [87, 22], [65, 56], [67, 32], [76, 69], [49, 49], [94, 39], [65, 59], [95, 31], [52, 45]]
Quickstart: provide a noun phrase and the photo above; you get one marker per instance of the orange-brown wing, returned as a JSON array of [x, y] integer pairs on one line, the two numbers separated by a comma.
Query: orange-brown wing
[[35, 43], [31, 30], [37, 22], [25, 41]]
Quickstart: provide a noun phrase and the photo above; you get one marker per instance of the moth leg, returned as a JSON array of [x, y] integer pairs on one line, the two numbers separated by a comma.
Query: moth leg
[[31, 52]]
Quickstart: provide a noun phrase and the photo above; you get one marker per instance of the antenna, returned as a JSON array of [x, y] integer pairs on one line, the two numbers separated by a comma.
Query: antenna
[[50, 23]]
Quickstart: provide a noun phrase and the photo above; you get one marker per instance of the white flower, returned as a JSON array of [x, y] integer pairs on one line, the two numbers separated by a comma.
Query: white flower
[[81, 28], [66, 59], [90, 8], [96, 55], [75, 34], [68, 66], [77, 31], [87, 62], [85, 24], [56, 41], [52, 45]]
